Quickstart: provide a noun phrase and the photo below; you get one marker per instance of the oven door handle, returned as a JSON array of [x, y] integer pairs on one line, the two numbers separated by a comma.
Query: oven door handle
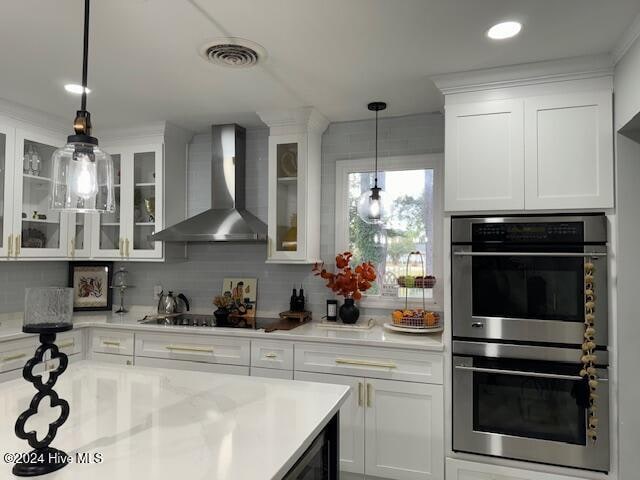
[[520, 373], [530, 254]]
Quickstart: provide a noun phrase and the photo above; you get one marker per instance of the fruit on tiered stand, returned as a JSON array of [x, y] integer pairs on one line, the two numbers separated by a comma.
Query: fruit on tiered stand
[[415, 318]]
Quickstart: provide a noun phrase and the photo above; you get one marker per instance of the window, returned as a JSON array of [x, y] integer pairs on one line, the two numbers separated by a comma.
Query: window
[[413, 188]]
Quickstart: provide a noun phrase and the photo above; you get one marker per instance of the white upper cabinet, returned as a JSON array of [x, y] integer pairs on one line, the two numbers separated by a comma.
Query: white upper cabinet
[[532, 137], [294, 184], [7, 137], [484, 165], [124, 234], [569, 151], [37, 231]]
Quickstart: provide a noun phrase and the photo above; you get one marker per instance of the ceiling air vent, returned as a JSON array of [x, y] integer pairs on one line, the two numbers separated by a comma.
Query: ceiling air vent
[[233, 52]]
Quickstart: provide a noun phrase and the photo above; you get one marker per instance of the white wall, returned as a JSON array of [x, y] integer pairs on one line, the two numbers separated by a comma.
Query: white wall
[[627, 105], [627, 86]]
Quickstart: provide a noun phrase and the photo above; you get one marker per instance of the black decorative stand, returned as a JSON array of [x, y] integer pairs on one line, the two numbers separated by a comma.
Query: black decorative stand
[[43, 458]]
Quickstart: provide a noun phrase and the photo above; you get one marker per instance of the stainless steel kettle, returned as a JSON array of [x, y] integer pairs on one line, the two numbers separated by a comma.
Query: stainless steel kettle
[[170, 303]]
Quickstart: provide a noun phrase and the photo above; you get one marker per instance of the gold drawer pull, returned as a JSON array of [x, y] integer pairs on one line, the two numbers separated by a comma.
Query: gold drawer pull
[[271, 355], [14, 357], [365, 363], [189, 349], [67, 344], [110, 343]]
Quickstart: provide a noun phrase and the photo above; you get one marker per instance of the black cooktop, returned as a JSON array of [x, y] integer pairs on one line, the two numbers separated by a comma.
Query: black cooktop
[[207, 321]]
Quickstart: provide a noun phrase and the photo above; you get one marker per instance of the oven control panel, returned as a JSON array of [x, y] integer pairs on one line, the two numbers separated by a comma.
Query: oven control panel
[[544, 232]]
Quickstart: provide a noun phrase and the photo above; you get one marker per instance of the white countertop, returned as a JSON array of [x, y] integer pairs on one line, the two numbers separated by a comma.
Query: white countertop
[[164, 424], [377, 336]]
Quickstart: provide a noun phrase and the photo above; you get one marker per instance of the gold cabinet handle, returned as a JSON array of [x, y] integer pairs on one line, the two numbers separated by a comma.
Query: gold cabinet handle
[[14, 357], [121, 247], [110, 343], [10, 245], [129, 362], [365, 363], [72, 248], [126, 247], [186, 348], [18, 244], [67, 344], [271, 355], [369, 395], [360, 393]]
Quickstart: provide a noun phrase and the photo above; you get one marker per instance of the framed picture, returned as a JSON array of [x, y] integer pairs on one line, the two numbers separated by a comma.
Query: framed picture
[[241, 289], [91, 283]]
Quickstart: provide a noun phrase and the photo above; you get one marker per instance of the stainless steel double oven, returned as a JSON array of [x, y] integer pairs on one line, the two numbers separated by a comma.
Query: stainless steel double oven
[[518, 305]]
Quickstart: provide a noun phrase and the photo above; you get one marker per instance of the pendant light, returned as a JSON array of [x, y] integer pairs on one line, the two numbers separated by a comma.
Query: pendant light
[[371, 205], [82, 179]]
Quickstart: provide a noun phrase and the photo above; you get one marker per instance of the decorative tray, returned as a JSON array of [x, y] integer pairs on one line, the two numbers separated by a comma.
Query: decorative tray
[[368, 325]]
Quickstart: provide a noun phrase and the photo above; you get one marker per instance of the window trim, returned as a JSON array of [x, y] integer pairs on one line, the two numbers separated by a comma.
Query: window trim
[[434, 161]]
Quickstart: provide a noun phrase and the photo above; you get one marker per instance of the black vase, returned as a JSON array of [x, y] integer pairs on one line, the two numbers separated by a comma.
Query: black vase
[[349, 312], [222, 317]]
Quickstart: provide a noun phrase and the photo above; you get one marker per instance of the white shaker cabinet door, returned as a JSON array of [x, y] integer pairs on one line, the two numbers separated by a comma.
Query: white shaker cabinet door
[[351, 419], [569, 151], [484, 156], [404, 430]]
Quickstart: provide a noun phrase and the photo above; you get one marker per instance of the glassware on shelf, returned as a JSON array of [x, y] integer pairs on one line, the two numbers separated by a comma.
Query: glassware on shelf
[[26, 160], [48, 310], [36, 162], [150, 207]]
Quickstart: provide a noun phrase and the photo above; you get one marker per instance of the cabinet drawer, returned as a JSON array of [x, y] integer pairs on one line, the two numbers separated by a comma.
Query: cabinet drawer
[[193, 366], [272, 354], [111, 358], [198, 348], [271, 373], [71, 342], [112, 341], [14, 354], [384, 363]]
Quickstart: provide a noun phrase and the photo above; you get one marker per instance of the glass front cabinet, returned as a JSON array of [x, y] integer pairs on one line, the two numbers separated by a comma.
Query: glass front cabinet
[[125, 233], [294, 185]]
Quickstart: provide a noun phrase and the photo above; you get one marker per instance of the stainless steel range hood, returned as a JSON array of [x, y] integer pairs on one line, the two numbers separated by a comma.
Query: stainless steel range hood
[[226, 220]]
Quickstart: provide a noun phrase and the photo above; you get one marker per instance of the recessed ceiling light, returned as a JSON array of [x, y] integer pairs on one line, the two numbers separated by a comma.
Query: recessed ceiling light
[[75, 88], [504, 30]]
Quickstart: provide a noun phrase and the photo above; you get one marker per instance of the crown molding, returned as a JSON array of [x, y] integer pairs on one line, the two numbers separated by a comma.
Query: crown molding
[[38, 118], [627, 39], [574, 68], [148, 133], [306, 118]]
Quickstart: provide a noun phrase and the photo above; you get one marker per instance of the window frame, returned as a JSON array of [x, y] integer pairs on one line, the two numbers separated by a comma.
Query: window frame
[[434, 161]]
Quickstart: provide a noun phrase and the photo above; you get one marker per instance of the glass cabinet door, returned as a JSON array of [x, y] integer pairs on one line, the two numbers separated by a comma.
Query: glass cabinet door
[[6, 195], [108, 238], [146, 207], [41, 231], [286, 163]]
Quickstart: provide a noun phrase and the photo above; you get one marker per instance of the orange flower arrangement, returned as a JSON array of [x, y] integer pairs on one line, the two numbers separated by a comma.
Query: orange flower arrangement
[[348, 282]]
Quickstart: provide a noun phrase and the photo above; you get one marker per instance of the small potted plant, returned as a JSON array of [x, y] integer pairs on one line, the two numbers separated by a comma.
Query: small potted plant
[[224, 304], [348, 282]]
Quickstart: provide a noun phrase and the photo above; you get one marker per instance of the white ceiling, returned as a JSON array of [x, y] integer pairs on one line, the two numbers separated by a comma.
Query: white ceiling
[[334, 54]]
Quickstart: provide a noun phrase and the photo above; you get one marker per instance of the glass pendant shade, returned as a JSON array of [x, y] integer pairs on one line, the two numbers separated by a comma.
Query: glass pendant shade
[[372, 207], [82, 179]]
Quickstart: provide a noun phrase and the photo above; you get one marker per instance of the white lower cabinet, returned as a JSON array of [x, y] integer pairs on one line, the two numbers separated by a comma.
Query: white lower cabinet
[[389, 429], [113, 358], [271, 373], [464, 470], [352, 430], [404, 430], [193, 366]]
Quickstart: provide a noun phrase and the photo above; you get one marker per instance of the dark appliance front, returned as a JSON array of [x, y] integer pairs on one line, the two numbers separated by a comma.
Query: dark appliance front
[[527, 403], [522, 278]]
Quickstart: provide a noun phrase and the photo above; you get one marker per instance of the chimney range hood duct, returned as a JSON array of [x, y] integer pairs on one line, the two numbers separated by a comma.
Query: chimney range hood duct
[[226, 220]]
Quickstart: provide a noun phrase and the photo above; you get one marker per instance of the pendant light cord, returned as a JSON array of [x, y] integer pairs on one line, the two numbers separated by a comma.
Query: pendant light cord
[[85, 55], [376, 174]]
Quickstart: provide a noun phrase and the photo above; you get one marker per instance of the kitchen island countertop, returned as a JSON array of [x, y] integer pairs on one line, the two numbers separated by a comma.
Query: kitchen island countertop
[[377, 336], [165, 424]]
